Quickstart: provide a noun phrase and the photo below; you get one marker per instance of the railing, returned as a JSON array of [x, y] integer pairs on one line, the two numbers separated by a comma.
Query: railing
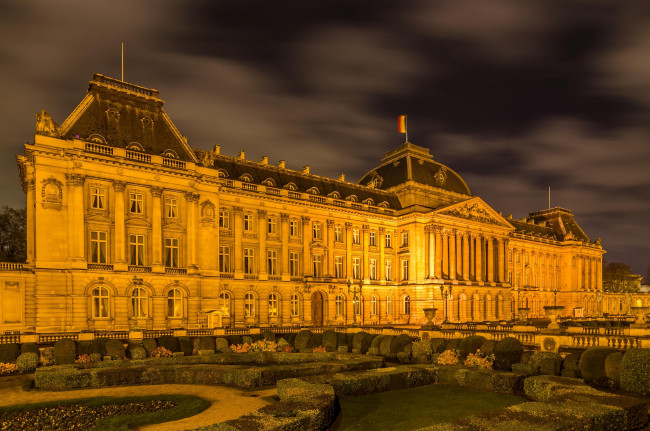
[[93, 147], [53, 338], [138, 156], [7, 339], [237, 331], [200, 332], [339, 203], [175, 271], [11, 266], [318, 199], [227, 275], [173, 163], [139, 268], [273, 191], [356, 206], [157, 334], [100, 266], [251, 276], [275, 278], [113, 335], [295, 195], [249, 187]]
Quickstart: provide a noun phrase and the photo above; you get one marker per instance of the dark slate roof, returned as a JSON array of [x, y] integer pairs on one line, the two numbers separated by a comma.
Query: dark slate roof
[[530, 229], [123, 114], [411, 162], [234, 169], [562, 222]]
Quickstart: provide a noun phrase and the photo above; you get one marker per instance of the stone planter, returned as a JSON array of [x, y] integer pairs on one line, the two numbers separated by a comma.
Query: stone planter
[[553, 312], [429, 313], [523, 314], [640, 316]]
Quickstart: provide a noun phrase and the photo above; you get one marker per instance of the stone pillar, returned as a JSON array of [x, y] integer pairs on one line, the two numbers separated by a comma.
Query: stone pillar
[[466, 262], [459, 255], [438, 252], [452, 255], [381, 263], [479, 258], [348, 250], [306, 235], [284, 259], [366, 254], [329, 258], [428, 230], [76, 225], [261, 218], [192, 200], [156, 230], [445, 254], [30, 187], [120, 234], [500, 260], [238, 231], [490, 259], [504, 267]]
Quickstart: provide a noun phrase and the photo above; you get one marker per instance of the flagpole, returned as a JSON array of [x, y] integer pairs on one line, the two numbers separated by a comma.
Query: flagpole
[[122, 61]]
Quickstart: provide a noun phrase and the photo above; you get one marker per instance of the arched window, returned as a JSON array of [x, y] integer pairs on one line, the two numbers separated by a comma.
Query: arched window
[[224, 303], [174, 303], [357, 305], [406, 305], [273, 304], [249, 305], [139, 305], [373, 305], [100, 302], [339, 305], [389, 306], [295, 305]]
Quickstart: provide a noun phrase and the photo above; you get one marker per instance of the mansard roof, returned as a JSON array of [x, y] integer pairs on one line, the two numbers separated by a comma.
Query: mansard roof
[[561, 222], [124, 115]]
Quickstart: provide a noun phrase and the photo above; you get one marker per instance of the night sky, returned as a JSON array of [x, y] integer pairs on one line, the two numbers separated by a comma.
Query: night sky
[[516, 96]]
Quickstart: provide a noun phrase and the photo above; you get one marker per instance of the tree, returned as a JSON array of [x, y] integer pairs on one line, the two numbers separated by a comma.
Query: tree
[[618, 278], [13, 234]]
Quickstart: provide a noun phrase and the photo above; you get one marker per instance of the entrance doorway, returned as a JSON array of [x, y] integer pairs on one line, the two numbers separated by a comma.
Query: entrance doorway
[[317, 308]]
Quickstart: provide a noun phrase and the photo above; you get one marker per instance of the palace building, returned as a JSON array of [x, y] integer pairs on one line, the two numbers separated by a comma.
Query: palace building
[[130, 227]]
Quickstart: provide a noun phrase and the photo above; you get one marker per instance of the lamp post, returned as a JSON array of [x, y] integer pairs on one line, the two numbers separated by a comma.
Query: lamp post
[[599, 298], [444, 304], [136, 282], [555, 296], [354, 291], [446, 295]]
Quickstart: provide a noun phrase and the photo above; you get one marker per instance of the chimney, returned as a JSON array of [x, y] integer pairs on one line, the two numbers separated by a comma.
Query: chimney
[[305, 169], [216, 149], [282, 164], [341, 177], [241, 155], [265, 160]]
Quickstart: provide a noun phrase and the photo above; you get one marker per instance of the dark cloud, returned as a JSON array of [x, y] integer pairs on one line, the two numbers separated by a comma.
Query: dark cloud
[[516, 96]]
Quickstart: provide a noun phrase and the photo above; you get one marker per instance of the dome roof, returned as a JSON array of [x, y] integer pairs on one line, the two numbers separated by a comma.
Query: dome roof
[[410, 162]]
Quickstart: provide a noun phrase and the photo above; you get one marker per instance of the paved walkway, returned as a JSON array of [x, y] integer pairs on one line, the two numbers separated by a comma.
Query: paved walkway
[[227, 403]]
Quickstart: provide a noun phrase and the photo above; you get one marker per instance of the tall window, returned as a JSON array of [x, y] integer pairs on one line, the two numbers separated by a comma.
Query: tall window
[[339, 305], [294, 264], [389, 240], [97, 197], [224, 303], [100, 302], [356, 238], [294, 228], [372, 239], [249, 305], [272, 225], [224, 259], [171, 207], [518, 282], [389, 270], [406, 305], [338, 234], [174, 303], [272, 262], [171, 252], [98, 247], [356, 267], [139, 306], [373, 268], [317, 232], [318, 265], [224, 218], [295, 305], [136, 246], [405, 269], [273, 305], [373, 305], [389, 306], [338, 266], [248, 222], [135, 203], [357, 305], [405, 239], [249, 260]]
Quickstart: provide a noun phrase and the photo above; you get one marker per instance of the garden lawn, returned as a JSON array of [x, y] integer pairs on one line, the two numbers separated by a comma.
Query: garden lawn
[[410, 409]]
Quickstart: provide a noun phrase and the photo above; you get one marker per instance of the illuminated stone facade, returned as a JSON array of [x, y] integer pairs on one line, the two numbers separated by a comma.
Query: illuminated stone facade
[[129, 226]]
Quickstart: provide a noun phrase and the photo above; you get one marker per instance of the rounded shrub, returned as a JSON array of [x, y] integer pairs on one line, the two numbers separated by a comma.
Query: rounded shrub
[[350, 338], [149, 345], [235, 339], [84, 347], [9, 352], [399, 342], [384, 345], [136, 352], [525, 356], [487, 348], [169, 342], [342, 341], [470, 345], [185, 345], [207, 343], [330, 340], [376, 342], [221, 345], [247, 339], [356, 341], [438, 345], [268, 335], [613, 368], [547, 362], [95, 357], [255, 337], [115, 349], [366, 343], [316, 339], [29, 348], [303, 341], [99, 346], [291, 339], [453, 344], [65, 351], [506, 352], [27, 362], [592, 365], [421, 352], [635, 371]]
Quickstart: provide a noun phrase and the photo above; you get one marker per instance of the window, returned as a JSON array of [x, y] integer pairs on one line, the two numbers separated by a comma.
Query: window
[[248, 222], [356, 267], [97, 197], [100, 302], [356, 238], [139, 305], [318, 265], [273, 305], [339, 305], [171, 207], [373, 305], [135, 203], [174, 303], [272, 262], [294, 263], [294, 228], [224, 218], [405, 239], [357, 305], [171, 252], [136, 246], [405, 269], [338, 233], [373, 269], [389, 306], [224, 259], [389, 270], [272, 225], [295, 305], [98, 247], [317, 232], [249, 305], [372, 239], [224, 303], [406, 305], [389, 240], [338, 266], [518, 283], [249, 260]]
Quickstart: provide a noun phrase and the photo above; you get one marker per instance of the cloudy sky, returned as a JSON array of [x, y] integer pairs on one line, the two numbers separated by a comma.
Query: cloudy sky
[[516, 95]]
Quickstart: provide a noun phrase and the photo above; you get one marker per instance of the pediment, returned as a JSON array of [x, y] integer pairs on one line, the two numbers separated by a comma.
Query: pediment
[[98, 217], [476, 210], [138, 222], [174, 226]]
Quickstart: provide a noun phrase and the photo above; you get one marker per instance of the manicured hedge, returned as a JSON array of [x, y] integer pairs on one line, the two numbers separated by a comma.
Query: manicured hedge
[[65, 351], [507, 352], [547, 362], [27, 362], [635, 371], [29, 348], [169, 342], [592, 365], [357, 339], [9, 352], [115, 349], [470, 345], [149, 345]]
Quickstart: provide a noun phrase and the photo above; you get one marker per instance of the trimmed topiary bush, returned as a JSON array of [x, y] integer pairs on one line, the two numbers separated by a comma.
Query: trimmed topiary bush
[[438, 345], [268, 336], [65, 351], [635, 371], [247, 339], [453, 344], [316, 339], [185, 345], [99, 345], [374, 346], [207, 343], [507, 352], [384, 346], [366, 343], [525, 356], [356, 341], [115, 349], [592, 365], [303, 342], [330, 340], [342, 342], [136, 352], [29, 348], [84, 347], [95, 357], [149, 345], [421, 352], [470, 345], [27, 362], [169, 342], [221, 345], [613, 368], [236, 339], [546, 362], [9, 352], [399, 342], [487, 348], [571, 365]]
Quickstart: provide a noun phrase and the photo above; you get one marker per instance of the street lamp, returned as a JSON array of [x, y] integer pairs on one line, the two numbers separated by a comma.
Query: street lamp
[[354, 291], [555, 296], [446, 295]]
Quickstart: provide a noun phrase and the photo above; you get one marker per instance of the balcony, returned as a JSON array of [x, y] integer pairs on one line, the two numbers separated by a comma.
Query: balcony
[[138, 156], [139, 268], [173, 163], [175, 271], [93, 147], [100, 266], [11, 266]]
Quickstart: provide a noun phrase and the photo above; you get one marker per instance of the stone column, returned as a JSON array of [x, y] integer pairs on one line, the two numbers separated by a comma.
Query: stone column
[[430, 252], [192, 200], [261, 219], [306, 235], [452, 255], [382, 246], [490, 259], [348, 250], [500, 260], [459, 255], [330, 249], [366, 254], [30, 187], [237, 252], [284, 228], [479, 258], [156, 230], [445, 254], [76, 225], [504, 267], [466, 262], [438, 252], [120, 234]]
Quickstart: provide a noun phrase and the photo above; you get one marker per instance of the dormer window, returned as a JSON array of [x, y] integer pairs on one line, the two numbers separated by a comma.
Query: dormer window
[[314, 191], [352, 198], [99, 139], [384, 204], [134, 146], [269, 182], [170, 153], [222, 173], [246, 178], [369, 202], [335, 195], [291, 186]]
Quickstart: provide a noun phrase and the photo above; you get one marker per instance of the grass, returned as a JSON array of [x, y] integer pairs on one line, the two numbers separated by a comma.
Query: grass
[[177, 407], [410, 409]]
